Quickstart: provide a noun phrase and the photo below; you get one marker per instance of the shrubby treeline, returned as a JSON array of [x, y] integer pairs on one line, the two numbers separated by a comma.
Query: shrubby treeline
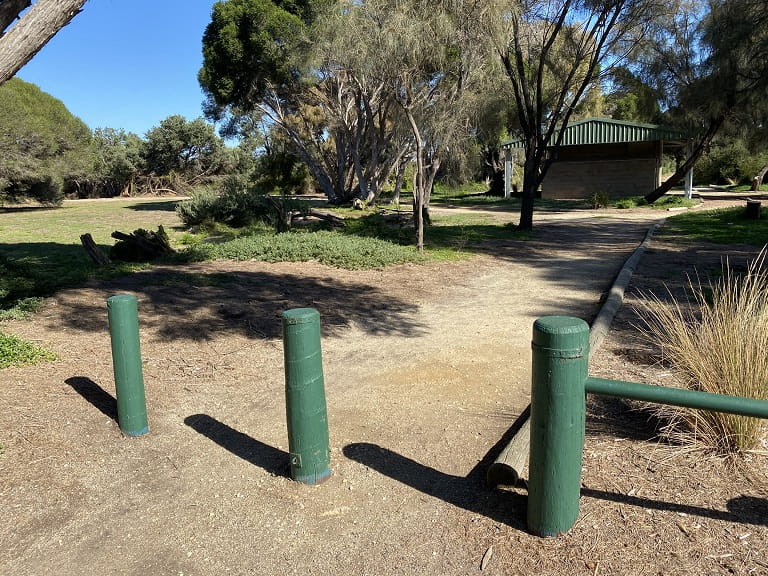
[[46, 153]]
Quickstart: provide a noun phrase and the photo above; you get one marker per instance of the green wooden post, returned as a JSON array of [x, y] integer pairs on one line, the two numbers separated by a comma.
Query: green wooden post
[[560, 363], [308, 442], [126, 360]]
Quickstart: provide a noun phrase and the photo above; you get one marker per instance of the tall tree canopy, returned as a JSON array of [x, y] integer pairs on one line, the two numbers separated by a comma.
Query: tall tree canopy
[[554, 52], [188, 148], [708, 59], [358, 88]]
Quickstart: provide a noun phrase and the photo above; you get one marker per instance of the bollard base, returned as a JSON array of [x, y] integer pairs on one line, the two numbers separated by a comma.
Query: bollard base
[[134, 433], [313, 479]]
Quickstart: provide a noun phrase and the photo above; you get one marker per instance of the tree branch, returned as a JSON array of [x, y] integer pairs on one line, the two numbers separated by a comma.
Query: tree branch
[[10, 10], [33, 31]]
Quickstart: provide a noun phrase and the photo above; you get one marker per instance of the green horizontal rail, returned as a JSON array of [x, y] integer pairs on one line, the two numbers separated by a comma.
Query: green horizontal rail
[[678, 397]]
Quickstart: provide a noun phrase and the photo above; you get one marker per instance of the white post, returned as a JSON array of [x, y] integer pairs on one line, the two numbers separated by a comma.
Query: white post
[[508, 168], [689, 176]]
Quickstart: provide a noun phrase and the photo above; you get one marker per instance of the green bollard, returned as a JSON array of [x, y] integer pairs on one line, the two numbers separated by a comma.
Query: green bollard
[[558, 404], [126, 359], [308, 442]]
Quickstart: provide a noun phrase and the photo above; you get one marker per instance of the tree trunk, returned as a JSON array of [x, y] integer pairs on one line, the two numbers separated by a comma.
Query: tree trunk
[[10, 10], [399, 182], [530, 187], [32, 32], [418, 182], [682, 170], [757, 181]]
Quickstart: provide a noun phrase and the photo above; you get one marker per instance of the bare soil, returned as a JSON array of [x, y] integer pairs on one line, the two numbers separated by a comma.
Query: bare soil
[[426, 367]]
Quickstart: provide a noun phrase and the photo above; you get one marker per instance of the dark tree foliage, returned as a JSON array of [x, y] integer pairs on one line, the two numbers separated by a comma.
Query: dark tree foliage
[[188, 148], [251, 46], [45, 151], [730, 85]]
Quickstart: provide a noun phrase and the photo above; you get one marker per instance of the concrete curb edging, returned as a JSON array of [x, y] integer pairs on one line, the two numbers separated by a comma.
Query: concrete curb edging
[[507, 469], [602, 322]]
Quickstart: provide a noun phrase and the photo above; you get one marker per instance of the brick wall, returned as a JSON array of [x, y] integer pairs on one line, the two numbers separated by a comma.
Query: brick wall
[[619, 178]]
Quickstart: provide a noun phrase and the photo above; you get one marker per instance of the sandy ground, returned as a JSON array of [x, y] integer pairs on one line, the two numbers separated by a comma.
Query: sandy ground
[[425, 369]]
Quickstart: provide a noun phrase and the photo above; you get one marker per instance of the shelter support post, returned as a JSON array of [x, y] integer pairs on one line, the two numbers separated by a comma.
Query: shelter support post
[[508, 172], [689, 174]]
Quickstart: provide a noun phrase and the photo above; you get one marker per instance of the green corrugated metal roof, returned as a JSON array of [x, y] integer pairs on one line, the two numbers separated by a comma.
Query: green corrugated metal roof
[[607, 131]]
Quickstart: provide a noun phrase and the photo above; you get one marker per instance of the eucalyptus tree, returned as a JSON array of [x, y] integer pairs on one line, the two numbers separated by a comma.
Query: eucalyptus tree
[[118, 159], [709, 63], [256, 65], [427, 55], [554, 52], [188, 148], [357, 97]]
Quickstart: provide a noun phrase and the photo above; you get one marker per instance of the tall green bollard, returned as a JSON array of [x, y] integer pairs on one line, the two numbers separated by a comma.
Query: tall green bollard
[[305, 397], [560, 363], [126, 359]]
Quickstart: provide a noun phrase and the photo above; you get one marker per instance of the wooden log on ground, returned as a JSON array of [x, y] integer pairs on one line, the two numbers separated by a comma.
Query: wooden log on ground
[[96, 254], [336, 221], [508, 467], [141, 245]]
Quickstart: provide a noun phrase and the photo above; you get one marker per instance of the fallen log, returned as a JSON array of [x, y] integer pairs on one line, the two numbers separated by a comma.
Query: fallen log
[[95, 253], [507, 469], [336, 221]]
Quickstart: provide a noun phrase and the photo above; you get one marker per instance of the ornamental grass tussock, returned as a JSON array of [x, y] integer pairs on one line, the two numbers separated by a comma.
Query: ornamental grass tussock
[[717, 341]]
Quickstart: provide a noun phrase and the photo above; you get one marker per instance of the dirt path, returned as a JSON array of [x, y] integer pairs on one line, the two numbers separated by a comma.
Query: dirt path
[[425, 368]]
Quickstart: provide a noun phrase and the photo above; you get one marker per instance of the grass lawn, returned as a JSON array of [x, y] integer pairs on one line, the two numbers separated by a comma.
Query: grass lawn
[[723, 226], [40, 249]]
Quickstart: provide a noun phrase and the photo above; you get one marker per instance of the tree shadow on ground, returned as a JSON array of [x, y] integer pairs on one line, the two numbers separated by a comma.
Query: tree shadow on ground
[[198, 306], [158, 206], [274, 461], [10, 209]]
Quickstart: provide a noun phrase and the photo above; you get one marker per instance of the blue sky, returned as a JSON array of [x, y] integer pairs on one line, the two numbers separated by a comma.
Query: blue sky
[[126, 63]]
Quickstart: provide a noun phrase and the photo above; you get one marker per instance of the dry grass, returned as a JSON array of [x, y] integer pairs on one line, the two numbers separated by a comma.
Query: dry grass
[[718, 342]]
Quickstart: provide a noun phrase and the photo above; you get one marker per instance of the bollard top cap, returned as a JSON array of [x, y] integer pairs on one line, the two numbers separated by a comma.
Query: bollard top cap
[[562, 336], [119, 298], [301, 316], [561, 325]]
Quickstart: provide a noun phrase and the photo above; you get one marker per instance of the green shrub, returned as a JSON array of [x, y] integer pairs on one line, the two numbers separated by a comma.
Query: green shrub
[[631, 202], [22, 309], [16, 281], [15, 352], [717, 342], [730, 163], [235, 204], [330, 248], [599, 199], [200, 208]]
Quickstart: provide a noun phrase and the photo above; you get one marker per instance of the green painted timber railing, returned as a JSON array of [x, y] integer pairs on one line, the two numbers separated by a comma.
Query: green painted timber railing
[[558, 406]]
